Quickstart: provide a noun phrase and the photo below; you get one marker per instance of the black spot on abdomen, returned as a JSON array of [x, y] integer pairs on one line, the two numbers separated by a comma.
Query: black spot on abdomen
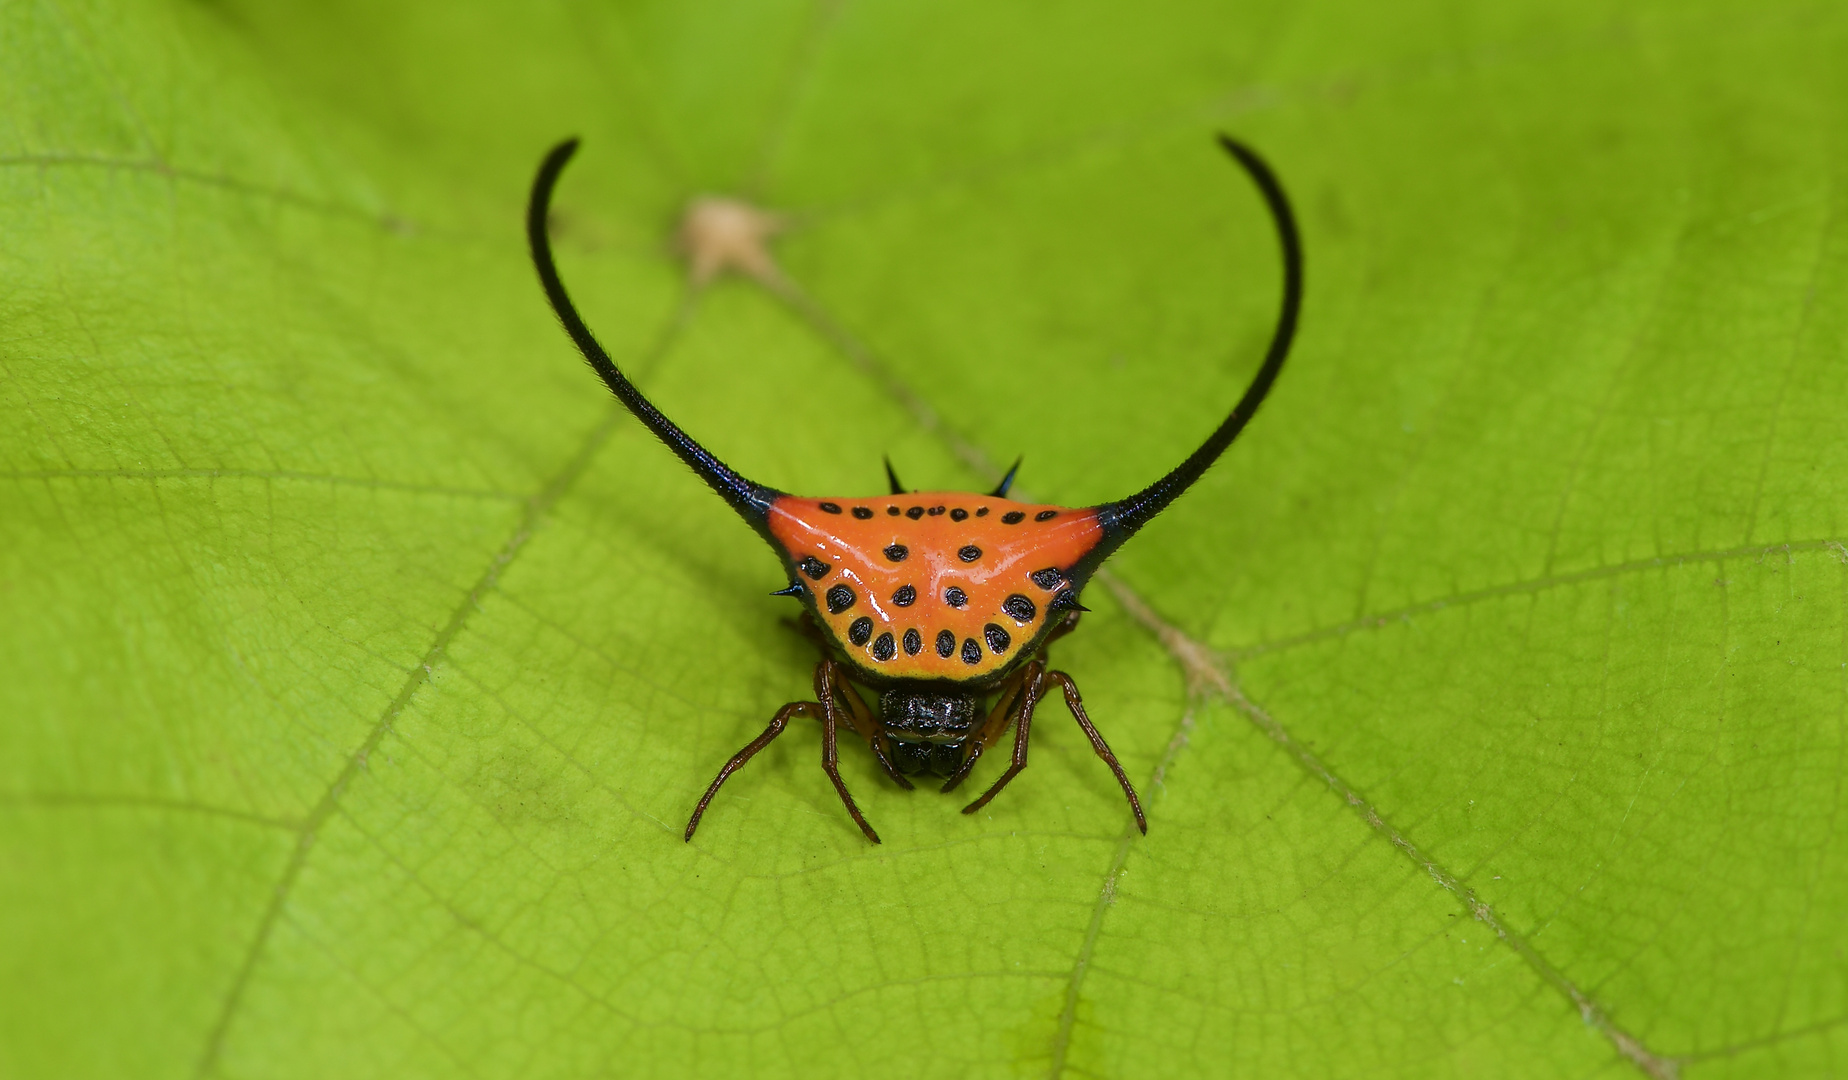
[[840, 598], [883, 647], [955, 597], [914, 642], [946, 643], [1021, 608], [969, 553], [1048, 579], [971, 652], [1013, 517], [861, 630], [897, 552], [998, 640], [813, 567], [905, 596]]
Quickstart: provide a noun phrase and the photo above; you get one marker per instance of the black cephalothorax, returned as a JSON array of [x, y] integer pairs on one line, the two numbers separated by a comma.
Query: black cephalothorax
[[958, 656]]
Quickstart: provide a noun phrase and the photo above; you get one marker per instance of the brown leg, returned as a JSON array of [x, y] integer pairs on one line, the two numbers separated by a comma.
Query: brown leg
[[804, 624], [859, 717], [995, 725], [831, 687], [1073, 703], [777, 724], [830, 760], [1030, 690], [1066, 626]]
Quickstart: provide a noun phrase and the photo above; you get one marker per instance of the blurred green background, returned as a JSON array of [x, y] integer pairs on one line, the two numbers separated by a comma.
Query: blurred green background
[[360, 663]]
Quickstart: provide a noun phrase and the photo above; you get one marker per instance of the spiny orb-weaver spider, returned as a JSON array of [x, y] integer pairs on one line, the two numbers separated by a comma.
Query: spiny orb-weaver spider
[[940, 601]]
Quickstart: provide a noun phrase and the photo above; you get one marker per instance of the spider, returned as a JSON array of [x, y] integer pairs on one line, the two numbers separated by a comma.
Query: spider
[[942, 602]]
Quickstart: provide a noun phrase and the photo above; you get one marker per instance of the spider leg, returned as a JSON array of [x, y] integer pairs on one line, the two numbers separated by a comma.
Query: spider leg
[[993, 726], [1030, 690], [831, 687], [830, 756], [777, 724], [804, 624], [1065, 626], [1076, 705], [859, 717]]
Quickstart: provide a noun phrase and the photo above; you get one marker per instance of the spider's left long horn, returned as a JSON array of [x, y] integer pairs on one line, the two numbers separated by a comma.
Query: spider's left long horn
[[751, 500]]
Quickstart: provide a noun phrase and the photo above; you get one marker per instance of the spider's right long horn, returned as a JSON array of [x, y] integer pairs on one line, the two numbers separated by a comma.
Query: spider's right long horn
[[1121, 520]]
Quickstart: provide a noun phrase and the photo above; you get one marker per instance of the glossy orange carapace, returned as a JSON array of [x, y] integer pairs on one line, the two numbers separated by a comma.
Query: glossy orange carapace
[[932, 585]]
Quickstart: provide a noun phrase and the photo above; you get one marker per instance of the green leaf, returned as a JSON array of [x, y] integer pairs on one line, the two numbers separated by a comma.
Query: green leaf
[[361, 662]]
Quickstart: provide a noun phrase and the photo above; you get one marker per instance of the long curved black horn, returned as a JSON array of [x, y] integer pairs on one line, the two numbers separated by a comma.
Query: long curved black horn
[[1121, 519], [751, 500]]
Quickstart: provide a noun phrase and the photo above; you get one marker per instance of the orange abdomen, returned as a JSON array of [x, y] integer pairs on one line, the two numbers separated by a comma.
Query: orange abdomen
[[932, 585]]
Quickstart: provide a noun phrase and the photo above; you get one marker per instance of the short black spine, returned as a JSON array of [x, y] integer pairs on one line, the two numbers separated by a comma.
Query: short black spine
[[1001, 489]]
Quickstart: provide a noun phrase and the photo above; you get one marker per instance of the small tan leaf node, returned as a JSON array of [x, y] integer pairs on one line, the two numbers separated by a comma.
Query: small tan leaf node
[[719, 234]]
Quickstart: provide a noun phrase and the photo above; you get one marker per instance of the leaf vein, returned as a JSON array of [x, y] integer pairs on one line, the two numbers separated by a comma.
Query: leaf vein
[[1526, 586], [374, 483], [419, 676]]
